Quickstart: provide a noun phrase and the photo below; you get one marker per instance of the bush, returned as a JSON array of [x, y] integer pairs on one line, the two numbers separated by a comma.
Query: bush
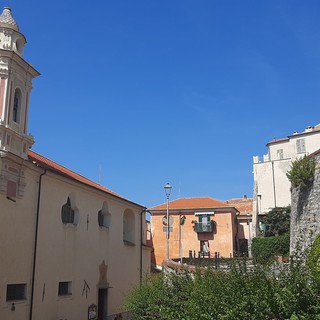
[[236, 294], [301, 173], [277, 221], [265, 249], [313, 259]]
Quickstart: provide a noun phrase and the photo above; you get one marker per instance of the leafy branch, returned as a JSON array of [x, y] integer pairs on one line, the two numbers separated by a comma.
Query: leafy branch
[[302, 171]]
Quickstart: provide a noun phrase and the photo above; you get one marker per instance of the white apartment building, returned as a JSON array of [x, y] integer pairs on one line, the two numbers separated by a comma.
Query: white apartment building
[[271, 185]]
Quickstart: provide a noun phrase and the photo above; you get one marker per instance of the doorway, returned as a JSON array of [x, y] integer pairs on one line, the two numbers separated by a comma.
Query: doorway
[[102, 303]]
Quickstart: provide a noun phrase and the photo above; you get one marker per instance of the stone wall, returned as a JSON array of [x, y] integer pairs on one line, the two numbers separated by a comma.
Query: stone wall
[[305, 212]]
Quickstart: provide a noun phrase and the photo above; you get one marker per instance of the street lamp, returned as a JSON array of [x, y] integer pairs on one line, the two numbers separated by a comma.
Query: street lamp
[[167, 189]]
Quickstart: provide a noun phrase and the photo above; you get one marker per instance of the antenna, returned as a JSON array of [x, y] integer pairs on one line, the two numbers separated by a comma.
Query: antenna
[[100, 174]]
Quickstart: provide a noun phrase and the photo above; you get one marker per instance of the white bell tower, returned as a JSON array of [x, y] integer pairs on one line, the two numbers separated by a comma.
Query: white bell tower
[[16, 77]]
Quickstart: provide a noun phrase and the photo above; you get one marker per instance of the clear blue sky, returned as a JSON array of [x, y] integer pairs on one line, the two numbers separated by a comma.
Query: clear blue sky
[[137, 93]]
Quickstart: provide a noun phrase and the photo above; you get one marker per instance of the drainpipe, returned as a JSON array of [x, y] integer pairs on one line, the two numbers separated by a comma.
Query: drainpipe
[[141, 243], [35, 244], [274, 186]]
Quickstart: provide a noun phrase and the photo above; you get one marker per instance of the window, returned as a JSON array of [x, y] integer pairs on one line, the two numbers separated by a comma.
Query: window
[[65, 288], [280, 154], [301, 146], [16, 106], [67, 213], [16, 292], [128, 227], [204, 221], [104, 216]]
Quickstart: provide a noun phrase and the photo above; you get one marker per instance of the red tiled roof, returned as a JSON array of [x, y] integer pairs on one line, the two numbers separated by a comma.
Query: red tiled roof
[[244, 205], [192, 203], [59, 169]]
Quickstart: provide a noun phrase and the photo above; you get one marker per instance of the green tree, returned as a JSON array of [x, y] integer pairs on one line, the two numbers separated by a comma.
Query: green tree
[[277, 221]]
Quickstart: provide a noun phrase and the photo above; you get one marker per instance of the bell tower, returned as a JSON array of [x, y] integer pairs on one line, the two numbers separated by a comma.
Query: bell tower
[[16, 77]]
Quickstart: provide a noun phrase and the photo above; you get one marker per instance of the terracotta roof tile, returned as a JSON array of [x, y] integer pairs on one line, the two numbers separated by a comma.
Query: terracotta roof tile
[[244, 205], [61, 170], [192, 203]]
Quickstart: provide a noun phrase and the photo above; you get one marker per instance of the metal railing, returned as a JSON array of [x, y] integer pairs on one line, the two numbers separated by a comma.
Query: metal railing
[[203, 226]]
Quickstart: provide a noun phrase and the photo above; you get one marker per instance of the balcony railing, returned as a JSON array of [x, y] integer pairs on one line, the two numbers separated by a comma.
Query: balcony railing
[[204, 226]]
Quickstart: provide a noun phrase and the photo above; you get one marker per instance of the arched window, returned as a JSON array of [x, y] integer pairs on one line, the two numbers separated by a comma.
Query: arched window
[[16, 106], [67, 213], [104, 216], [128, 227]]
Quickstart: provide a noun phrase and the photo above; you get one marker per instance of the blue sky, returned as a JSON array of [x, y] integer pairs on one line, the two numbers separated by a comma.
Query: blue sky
[[134, 94]]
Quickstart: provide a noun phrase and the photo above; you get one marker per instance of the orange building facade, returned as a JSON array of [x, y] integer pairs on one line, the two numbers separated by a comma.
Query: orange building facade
[[198, 226]]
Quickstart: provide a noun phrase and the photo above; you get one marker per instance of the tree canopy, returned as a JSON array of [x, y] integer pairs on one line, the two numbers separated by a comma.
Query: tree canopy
[[277, 221]]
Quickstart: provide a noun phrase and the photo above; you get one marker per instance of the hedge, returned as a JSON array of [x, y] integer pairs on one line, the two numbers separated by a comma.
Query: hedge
[[265, 249]]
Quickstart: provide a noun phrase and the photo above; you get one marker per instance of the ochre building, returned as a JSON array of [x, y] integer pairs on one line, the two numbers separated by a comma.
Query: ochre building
[[197, 226]]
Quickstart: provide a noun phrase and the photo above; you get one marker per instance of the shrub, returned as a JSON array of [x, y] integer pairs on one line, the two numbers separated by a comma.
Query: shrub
[[313, 259], [302, 171], [265, 249], [235, 294], [277, 221]]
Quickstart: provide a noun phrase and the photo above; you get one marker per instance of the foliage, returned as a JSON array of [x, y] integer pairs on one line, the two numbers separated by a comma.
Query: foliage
[[302, 171], [265, 249], [313, 260], [277, 221], [238, 293]]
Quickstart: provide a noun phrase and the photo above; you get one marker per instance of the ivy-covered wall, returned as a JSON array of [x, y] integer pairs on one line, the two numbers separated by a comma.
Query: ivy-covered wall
[[305, 212]]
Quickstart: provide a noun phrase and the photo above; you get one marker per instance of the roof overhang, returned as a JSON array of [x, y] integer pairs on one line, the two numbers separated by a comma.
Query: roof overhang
[[202, 213]]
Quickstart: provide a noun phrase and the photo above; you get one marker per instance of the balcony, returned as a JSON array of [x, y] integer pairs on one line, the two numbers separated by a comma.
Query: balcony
[[204, 226]]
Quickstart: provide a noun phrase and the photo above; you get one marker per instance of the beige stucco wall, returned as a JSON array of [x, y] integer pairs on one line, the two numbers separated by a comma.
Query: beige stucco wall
[[16, 238], [67, 252]]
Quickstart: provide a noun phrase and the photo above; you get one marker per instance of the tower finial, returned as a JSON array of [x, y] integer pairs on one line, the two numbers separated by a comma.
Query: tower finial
[[7, 21]]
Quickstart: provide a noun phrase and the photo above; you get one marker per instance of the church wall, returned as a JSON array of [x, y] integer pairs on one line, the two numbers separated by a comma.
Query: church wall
[[74, 253], [66, 252], [16, 243]]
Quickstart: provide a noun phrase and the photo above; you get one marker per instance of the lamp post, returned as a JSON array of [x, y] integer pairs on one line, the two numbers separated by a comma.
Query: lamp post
[[167, 189]]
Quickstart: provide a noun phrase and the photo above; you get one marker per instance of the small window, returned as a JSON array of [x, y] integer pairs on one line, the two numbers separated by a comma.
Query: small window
[[301, 146], [16, 292], [280, 154], [65, 288], [100, 218], [104, 216], [128, 227], [67, 213], [16, 106]]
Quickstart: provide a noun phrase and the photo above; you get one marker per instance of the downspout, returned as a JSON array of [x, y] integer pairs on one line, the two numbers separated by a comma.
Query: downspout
[[237, 234], [35, 244], [274, 185], [141, 243]]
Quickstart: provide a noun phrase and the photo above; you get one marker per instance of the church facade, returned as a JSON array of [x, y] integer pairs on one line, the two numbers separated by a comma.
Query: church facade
[[69, 247]]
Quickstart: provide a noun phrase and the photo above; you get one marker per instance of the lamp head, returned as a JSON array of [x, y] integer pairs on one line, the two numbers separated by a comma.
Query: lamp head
[[167, 189]]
